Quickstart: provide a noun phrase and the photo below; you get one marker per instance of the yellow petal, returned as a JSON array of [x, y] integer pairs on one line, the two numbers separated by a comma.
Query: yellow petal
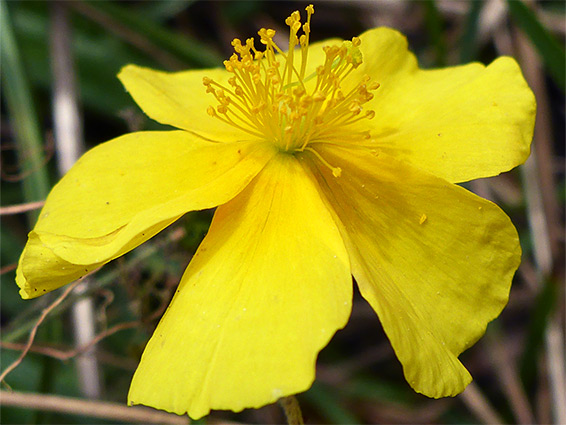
[[44, 271], [385, 58], [265, 292], [458, 123], [434, 260], [180, 99], [123, 192]]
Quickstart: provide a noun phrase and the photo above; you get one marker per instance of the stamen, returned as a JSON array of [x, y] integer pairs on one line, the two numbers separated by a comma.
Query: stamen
[[267, 96], [305, 41], [336, 171]]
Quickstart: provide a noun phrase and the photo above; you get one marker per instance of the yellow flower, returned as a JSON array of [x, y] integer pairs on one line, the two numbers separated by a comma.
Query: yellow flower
[[326, 160]]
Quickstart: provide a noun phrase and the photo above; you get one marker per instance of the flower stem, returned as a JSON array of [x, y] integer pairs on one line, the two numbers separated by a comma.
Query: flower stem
[[292, 410]]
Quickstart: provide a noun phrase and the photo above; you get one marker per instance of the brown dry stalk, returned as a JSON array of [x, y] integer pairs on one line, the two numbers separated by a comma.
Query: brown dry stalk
[[8, 268]]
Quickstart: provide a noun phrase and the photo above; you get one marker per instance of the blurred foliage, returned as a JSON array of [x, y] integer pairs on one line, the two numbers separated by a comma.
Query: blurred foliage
[[550, 50], [358, 379]]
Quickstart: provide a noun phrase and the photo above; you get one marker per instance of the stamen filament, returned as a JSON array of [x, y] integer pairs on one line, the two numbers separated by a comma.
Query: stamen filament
[[268, 96], [305, 45], [336, 171]]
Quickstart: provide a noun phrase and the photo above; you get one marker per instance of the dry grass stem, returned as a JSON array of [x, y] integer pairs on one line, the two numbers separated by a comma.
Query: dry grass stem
[[95, 409], [479, 405], [506, 370]]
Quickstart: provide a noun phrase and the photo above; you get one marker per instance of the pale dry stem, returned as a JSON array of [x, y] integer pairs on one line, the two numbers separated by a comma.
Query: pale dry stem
[[96, 409]]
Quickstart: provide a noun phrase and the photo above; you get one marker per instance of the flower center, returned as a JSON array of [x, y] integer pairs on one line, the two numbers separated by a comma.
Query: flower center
[[270, 97]]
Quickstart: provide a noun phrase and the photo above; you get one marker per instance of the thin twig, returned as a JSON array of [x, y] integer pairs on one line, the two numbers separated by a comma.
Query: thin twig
[[8, 268], [66, 355], [69, 354], [21, 208], [44, 314], [96, 409]]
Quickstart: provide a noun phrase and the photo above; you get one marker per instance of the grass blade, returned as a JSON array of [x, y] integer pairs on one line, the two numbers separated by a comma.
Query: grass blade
[[22, 114]]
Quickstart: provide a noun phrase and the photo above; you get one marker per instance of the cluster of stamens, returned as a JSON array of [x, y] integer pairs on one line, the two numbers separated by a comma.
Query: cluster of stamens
[[269, 97]]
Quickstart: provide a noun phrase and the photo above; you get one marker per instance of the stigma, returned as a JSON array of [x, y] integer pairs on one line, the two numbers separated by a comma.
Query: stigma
[[274, 95]]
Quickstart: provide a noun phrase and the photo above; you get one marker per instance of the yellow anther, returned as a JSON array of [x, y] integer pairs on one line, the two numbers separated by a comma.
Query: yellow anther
[[228, 66], [294, 17], [269, 96], [258, 108], [319, 96], [331, 51], [266, 36], [374, 85], [237, 44], [355, 108], [354, 54], [298, 92], [306, 101], [336, 171]]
